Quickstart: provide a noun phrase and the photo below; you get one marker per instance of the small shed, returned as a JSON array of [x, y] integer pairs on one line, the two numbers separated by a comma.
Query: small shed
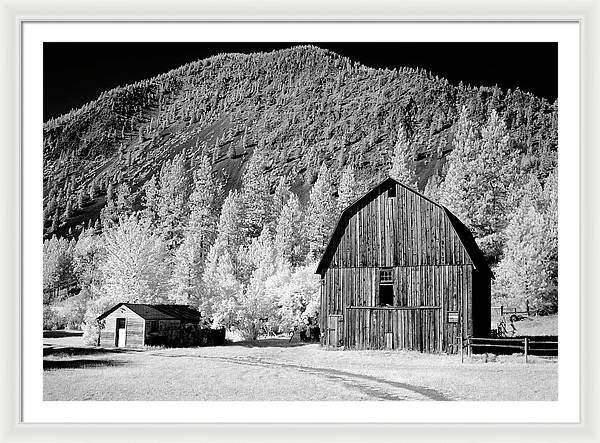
[[134, 324], [402, 272]]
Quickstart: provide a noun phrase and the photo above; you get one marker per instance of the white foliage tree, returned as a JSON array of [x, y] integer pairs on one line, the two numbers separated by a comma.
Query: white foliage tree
[[479, 187], [150, 200], [290, 243], [348, 189], [256, 304], [321, 213], [172, 196], [401, 169], [256, 197], [135, 268], [57, 262], [299, 299], [230, 235], [281, 196], [136, 265], [199, 234], [528, 270], [222, 289], [221, 270]]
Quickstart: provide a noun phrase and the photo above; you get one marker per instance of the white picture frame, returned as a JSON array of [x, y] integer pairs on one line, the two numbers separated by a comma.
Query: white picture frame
[[16, 13]]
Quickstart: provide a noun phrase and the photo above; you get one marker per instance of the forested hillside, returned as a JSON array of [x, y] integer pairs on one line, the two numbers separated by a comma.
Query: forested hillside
[[257, 154]]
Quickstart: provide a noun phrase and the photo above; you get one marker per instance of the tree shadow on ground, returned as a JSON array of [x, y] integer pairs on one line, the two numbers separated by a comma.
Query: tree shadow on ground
[[270, 343], [73, 350], [61, 334], [79, 363]]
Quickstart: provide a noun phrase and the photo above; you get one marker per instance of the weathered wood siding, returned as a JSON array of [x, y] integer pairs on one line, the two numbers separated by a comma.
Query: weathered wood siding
[[416, 329], [134, 328], [406, 230], [432, 270], [447, 288]]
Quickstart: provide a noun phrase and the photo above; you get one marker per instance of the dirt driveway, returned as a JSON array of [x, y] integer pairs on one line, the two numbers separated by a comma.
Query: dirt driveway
[[277, 370]]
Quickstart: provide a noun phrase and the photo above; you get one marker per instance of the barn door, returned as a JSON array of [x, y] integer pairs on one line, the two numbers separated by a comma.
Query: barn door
[[428, 324], [120, 333], [335, 335]]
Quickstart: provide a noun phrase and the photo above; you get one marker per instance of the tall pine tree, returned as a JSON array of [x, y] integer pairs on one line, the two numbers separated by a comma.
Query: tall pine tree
[[321, 213], [230, 235], [348, 189], [173, 192], [199, 235], [526, 272], [258, 204], [401, 169], [483, 174], [290, 243], [282, 193]]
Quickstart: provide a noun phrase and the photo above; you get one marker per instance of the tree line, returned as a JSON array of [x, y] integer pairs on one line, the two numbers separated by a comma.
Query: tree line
[[245, 260]]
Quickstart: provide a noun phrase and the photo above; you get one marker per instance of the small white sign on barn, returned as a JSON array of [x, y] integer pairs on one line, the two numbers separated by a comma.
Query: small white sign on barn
[[452, 316]]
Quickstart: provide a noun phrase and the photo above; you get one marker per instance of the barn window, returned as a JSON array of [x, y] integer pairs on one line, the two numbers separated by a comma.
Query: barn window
[[385, 276], [153, 326], [386, 287], [392, 192]]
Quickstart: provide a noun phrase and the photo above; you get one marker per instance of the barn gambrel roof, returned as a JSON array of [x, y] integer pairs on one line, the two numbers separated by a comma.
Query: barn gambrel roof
[[461, 230]]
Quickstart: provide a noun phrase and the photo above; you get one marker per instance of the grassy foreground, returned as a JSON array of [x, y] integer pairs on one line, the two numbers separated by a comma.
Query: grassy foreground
[[275, 369], [538, 325]]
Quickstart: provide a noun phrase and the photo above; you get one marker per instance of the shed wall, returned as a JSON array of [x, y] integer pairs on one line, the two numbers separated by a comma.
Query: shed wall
[[134, 328]]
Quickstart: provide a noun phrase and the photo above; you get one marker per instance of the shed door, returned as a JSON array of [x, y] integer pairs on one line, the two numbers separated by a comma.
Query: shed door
[[120, 333], [335, 336]]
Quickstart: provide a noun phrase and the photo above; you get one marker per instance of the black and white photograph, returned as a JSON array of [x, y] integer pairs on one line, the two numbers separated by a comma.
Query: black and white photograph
[[303, 221]]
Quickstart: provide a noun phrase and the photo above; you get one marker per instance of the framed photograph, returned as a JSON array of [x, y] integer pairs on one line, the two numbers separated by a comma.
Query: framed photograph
[[350, 226]]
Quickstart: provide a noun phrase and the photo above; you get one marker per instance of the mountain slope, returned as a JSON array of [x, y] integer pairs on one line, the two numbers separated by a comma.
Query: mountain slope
[[304, 105]]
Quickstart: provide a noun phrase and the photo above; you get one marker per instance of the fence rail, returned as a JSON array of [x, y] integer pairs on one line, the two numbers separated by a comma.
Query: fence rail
[[526, 345]]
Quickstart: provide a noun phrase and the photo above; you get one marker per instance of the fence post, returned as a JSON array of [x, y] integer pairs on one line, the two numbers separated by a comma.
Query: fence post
[[462, 358], [525, 339], [469, 347], [501, 310]]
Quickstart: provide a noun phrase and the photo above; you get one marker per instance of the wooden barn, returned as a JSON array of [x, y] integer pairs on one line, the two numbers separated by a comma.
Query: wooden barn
[[132, 324], [402, 272]]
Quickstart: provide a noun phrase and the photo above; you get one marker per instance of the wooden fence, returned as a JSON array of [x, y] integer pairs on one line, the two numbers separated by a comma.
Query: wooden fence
[[539, 346], [62, 290]]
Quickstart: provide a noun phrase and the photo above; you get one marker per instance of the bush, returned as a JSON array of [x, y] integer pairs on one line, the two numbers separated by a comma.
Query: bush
[[52, 319], [91, 333]]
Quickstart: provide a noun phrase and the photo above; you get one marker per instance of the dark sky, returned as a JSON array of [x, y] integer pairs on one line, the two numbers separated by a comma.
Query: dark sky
[[76, 73]]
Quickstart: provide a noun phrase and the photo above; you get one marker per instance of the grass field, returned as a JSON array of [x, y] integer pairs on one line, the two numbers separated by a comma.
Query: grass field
[[275, 369], [543, 325]]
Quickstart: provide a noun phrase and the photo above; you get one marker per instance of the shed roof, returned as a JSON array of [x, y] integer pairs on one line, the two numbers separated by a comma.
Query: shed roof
[[158, 312], [462, 231]]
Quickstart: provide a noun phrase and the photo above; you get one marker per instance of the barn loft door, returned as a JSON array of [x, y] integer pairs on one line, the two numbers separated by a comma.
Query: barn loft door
[[120, 334], [386, 287], [335, 336]]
